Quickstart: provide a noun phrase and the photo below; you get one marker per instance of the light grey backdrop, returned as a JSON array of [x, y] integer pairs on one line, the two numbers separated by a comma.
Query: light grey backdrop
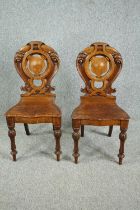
[[69, 26], [36, 181]]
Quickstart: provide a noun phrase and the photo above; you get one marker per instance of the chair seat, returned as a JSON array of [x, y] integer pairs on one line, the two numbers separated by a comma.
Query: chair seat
[[99, 110], [28, 108]]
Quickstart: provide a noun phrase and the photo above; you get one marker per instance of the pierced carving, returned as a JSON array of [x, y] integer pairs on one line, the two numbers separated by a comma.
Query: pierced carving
[[36, 61], [99, 63]]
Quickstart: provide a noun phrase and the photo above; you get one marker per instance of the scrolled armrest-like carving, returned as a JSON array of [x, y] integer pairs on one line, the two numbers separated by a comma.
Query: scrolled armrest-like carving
[[118, 58], [54, 57], [81, 57], [19, 56]]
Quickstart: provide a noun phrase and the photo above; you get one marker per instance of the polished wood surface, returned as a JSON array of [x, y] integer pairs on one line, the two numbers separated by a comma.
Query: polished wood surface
[[99, 65], [36, 63]]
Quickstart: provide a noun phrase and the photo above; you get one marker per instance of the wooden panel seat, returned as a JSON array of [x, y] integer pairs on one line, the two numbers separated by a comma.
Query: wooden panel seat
[[99, 108], [44, 107]]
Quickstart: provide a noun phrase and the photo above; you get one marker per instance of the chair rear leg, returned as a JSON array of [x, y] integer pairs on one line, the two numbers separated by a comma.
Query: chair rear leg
[[82, 130], [110, 130], [27, 129], [57, 134]]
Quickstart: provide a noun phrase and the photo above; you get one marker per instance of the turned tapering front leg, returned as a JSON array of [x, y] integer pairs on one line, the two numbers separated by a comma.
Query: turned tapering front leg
[[82, 130], [12, 134], [110, 130], [122, 138], [76, 137], [57, 134], [27, 129]]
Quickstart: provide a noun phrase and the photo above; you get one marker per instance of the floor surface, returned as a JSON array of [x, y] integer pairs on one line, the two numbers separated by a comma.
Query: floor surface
[[37, 181]]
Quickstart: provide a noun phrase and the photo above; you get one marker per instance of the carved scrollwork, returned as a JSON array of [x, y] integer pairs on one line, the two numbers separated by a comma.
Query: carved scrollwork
[[117, 58], [54, 57], [26, 88], [19, 56], [36, 62], [81, 57]]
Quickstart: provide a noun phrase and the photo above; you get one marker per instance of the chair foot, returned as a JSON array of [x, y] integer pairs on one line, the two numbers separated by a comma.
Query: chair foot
[[12, 134], [82, 130], [122, 138], [76, 137], [57, 134], [27, 129], [110, 130]]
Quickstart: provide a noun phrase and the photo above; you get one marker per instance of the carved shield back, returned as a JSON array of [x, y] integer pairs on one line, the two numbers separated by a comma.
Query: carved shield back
[[36, 63], [99, 65]]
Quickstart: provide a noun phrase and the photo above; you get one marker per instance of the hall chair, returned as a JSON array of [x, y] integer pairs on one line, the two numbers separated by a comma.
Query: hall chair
[[36, 63], [99, 65]]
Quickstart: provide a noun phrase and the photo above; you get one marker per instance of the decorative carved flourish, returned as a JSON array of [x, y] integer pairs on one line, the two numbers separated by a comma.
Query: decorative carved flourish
[[12, 134], [54, 57], [99, 63], [76, 137], [57, 134], [19, 56], [26, 88], [122, 138], [117, 58], [36, 62], [81, 57]]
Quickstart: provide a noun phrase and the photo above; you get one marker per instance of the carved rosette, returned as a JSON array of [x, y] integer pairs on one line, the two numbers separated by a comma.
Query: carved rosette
[[99, 65], [36, 63]]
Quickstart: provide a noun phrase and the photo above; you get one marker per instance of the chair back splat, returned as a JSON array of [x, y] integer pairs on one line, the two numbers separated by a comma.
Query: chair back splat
[[36, 63], [99, 65]]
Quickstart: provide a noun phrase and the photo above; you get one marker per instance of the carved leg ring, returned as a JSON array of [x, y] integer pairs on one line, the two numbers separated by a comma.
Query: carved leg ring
[[57, 134], [12, 134], [122, 138], [76, 137], [27, 129]]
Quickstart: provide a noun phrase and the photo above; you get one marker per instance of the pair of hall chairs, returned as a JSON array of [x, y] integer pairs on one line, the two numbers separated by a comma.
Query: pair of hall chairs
[[98, 65]]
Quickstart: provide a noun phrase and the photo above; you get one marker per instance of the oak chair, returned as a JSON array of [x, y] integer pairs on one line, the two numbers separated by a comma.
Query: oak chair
[[36, 63], [99, 65]]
